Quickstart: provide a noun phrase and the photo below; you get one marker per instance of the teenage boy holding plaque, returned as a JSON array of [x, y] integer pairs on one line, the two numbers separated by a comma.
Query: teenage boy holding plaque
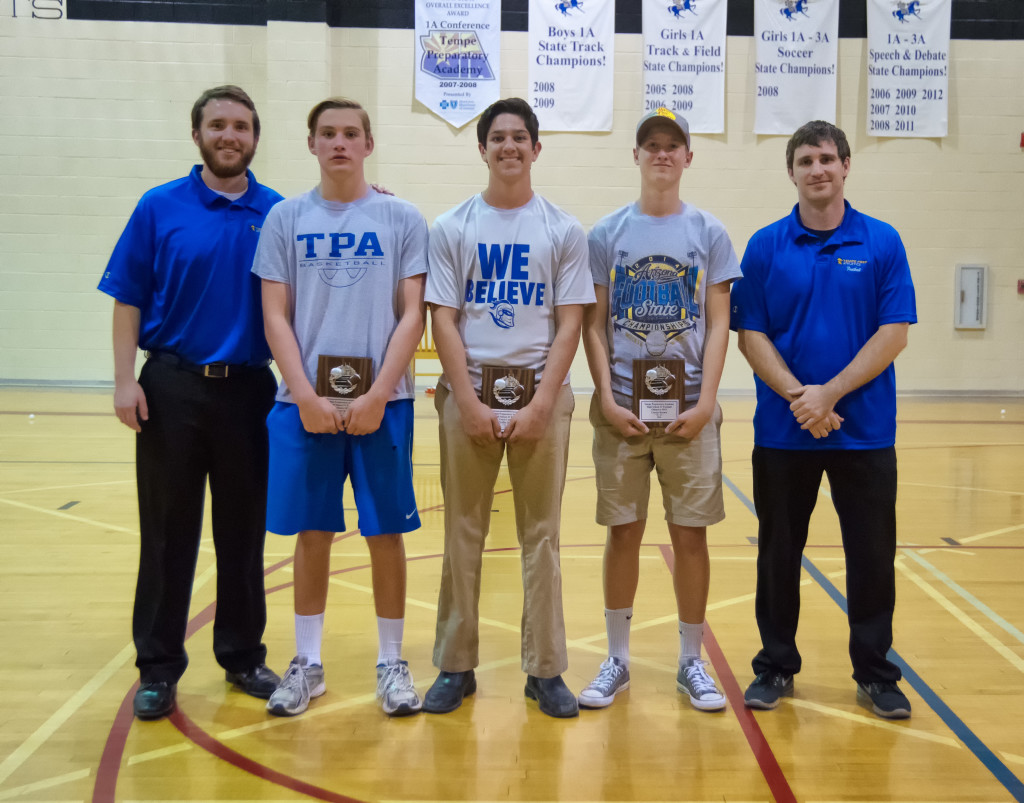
[[656, 342], [343, 271], [507, 285]]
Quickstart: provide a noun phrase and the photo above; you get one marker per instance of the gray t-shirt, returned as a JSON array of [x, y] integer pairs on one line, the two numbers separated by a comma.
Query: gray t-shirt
[[505, 271], [656, 270], [343, 262]]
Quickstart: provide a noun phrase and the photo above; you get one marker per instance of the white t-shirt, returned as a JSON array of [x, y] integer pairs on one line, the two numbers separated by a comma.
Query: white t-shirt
[[657, 270], [505, 271], [343, 262]]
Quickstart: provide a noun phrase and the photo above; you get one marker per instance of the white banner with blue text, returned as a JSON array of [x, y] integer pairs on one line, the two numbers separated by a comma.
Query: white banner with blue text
[[908, 67], [684, 61], [795, 66], [571, 74], [458, 57]]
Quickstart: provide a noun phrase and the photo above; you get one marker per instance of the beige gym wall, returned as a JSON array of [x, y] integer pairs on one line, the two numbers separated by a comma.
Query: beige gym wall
[[92, 114]]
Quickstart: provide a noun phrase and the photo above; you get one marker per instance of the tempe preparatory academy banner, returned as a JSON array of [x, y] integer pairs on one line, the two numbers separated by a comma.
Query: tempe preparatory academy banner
[[684, 60], [571, 74], [908, 67], [795, 68], [458, 57]]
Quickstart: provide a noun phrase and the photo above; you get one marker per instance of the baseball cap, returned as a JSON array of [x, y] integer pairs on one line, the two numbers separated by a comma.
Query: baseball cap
[[659, 114]]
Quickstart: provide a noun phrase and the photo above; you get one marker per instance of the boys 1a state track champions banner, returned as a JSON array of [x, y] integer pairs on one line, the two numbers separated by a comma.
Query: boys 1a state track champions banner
[[908, 67], [684, 60], [458, 57], [571, 74], [795, 67]]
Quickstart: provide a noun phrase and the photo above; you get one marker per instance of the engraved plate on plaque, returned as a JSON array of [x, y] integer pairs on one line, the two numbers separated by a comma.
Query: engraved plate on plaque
[[658, 390], [506, 390], [341, 380]]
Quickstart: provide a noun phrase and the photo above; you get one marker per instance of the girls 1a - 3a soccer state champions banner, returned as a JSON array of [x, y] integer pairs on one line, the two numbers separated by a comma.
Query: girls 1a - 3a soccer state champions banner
[[458, 57], [795, 68], [571, 74]]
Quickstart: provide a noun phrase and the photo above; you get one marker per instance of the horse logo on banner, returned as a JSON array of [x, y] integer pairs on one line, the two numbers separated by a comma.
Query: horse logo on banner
[[794, 7], [677, 9], [904, 10], [565, 6]]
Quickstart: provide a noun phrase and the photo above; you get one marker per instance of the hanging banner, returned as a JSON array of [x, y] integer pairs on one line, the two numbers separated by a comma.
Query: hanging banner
[[684, 61], [458, 57], [795, 69], [908, 68], [571, 75]]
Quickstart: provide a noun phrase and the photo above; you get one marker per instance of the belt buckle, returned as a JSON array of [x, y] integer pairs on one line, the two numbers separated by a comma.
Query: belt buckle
[[216, 371]]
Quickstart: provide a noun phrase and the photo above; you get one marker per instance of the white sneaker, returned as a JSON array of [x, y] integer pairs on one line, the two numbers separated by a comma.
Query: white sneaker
[[397, 696], [612, 678], [694, 680], [299, 684]]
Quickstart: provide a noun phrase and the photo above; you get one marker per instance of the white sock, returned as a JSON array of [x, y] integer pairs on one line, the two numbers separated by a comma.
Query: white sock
[[690, 638], [389, 636], [616, 623], [309, 635]]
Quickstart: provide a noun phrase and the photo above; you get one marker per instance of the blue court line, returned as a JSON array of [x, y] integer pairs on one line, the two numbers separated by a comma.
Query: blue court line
[[967, 595], [991, 762]]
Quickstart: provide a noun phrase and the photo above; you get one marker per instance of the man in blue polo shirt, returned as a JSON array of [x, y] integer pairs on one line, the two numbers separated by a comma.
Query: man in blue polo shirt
[[822, 311], [183, 292]]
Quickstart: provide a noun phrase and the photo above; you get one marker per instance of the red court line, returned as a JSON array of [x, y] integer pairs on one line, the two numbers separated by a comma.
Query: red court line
[[200, 737], [770, 769]]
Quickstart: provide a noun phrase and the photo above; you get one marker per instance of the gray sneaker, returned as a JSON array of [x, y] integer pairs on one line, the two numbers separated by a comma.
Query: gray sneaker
[[299, 684], [397, 696], [612, 677], [767, 688], [694, 680]]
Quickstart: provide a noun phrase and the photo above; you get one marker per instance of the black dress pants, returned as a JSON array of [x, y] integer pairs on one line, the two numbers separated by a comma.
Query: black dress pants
[[863, 485], [201, 429]]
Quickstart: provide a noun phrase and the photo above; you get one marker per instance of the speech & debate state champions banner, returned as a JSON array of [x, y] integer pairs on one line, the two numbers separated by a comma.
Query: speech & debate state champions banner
[[795, 67], [572, 64], [908, 67], [684, 60], [458, 57]]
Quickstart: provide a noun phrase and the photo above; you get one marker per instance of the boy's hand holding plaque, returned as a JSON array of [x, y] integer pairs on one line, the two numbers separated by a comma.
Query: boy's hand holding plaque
[[658, 390], [506, 390], [341, 380]]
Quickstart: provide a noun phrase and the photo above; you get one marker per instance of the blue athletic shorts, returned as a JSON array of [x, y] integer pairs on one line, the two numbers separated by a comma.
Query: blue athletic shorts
[[308, 471]]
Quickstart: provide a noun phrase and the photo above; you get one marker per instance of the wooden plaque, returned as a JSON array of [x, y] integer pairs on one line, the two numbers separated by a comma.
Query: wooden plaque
[[342, 379], [659, 387], [506, 390]]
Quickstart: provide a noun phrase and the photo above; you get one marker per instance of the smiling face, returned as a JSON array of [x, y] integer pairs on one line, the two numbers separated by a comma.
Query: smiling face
[[509, 150], [819, 174], [662, 155], [226, 139], [340, 144]]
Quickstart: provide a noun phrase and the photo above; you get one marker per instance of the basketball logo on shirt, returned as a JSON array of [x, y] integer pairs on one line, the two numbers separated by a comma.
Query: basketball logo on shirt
[[654, 299], [338, 258]]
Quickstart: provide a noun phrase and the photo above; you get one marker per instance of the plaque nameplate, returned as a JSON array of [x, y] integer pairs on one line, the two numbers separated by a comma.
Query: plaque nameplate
[[341, 380], [658, 390], [506, 390]]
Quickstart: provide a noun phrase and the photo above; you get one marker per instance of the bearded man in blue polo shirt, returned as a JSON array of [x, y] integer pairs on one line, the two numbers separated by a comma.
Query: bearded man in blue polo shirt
[[822, 311], [183, 292]]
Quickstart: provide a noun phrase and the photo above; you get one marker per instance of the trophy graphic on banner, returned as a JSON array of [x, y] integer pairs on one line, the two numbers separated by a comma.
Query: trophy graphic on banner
[[341, 380], [506, 390], [658, 390]]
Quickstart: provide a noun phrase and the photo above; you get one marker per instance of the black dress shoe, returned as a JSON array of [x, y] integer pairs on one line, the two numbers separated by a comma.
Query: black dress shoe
[[448, 690], [257, 682], [553, 695], [154, 700]]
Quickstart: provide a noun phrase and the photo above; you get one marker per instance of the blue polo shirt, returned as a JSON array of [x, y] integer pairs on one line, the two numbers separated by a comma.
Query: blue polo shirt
[[819, 304], [184, 260]]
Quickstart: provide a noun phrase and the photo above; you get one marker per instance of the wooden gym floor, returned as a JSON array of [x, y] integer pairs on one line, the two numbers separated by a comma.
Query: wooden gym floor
[[69, 535]]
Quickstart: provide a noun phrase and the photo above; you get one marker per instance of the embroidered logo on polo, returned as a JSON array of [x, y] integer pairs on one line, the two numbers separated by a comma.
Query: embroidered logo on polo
[[654, 299], [852, 265], [341, 258]]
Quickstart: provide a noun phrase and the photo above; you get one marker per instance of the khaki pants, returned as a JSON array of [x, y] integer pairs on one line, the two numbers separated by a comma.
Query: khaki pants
[[468, 474]]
